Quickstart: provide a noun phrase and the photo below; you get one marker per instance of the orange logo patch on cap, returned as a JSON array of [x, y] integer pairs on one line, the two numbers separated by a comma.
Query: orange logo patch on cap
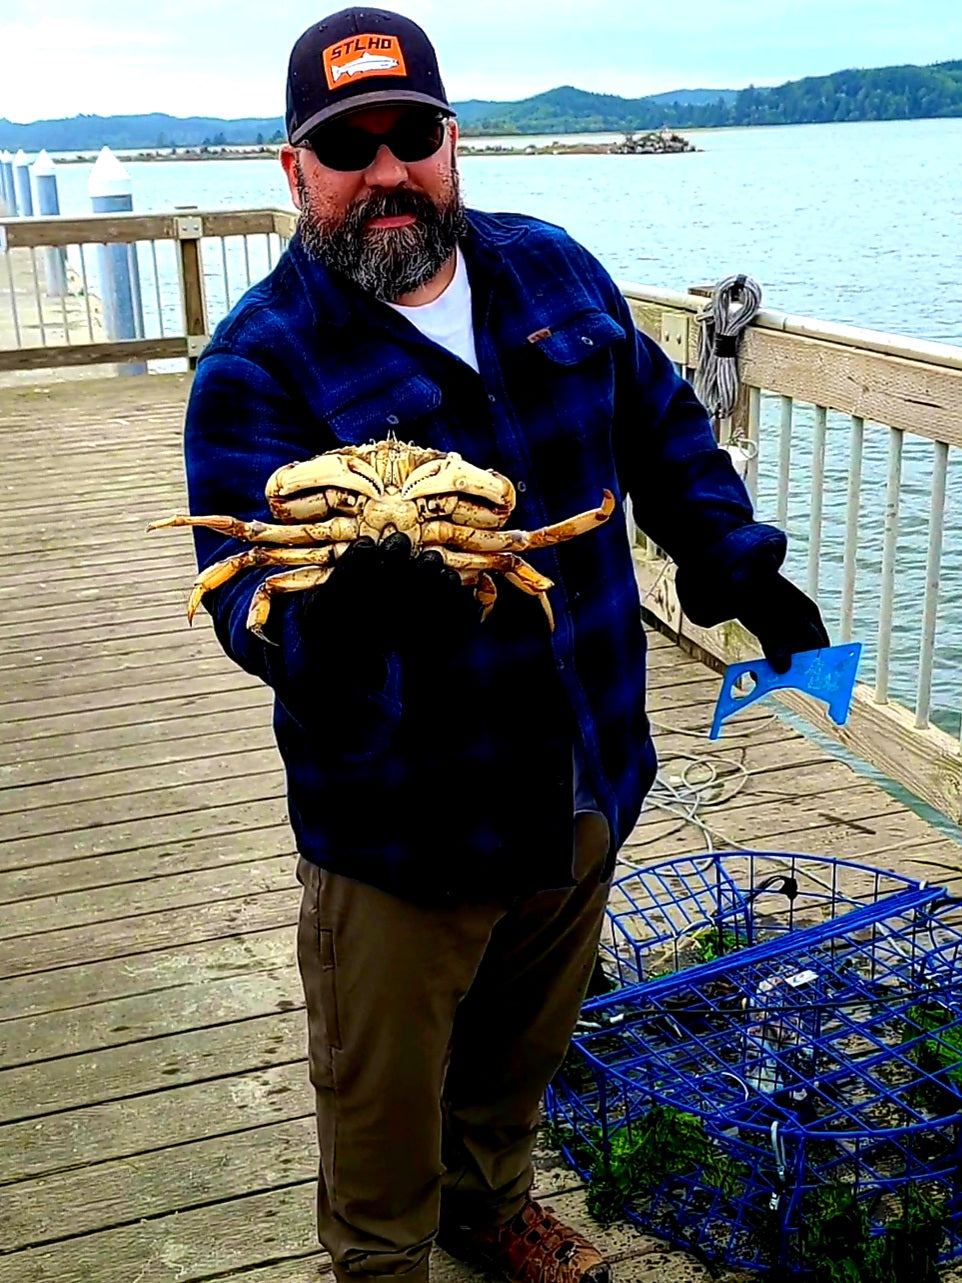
[[361, 56]]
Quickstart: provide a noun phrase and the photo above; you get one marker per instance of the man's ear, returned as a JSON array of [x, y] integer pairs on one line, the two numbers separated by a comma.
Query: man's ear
[[290, 162]]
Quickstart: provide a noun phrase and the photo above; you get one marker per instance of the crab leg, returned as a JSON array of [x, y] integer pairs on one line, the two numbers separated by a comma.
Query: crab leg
[[221, 571], [514, 569], [464, 537], [285, 581], [486, 593], [314, 532]]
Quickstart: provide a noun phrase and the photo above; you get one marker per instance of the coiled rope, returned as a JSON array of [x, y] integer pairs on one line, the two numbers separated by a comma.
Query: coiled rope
[[734, 304]]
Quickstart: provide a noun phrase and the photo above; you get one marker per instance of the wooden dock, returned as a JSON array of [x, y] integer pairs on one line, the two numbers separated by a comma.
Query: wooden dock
[[155, 1113]]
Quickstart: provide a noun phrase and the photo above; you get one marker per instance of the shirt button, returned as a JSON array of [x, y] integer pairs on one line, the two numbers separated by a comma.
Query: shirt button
[[392, 418], [521, 487], [560, 665], [587, 341], [492, 398]]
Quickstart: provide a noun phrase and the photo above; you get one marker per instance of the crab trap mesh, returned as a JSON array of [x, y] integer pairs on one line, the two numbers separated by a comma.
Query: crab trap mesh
[[777, 1073]]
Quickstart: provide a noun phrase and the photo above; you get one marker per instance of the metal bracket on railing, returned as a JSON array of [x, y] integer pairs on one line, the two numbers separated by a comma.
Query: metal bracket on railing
[[196, 344], [674, 336], [189, 229]]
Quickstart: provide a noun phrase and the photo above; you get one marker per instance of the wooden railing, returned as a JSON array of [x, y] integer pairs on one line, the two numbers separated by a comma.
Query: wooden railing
[[852, 440], [188, 268]]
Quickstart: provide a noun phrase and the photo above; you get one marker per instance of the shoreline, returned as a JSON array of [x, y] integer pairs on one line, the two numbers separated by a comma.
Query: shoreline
[[659, 142]]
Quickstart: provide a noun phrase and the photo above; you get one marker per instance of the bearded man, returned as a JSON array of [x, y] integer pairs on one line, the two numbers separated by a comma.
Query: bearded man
[[458, 790]]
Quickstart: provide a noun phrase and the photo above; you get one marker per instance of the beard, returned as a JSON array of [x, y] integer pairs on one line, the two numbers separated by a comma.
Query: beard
[[385, 262]]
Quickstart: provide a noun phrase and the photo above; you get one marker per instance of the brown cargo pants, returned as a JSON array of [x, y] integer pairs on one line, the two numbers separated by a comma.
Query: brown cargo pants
[[432, 1033]]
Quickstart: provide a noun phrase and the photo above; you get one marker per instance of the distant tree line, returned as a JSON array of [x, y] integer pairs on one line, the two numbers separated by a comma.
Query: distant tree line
[[884, 93]]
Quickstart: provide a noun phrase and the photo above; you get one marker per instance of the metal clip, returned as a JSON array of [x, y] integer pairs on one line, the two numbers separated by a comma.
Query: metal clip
[[781, 1169]]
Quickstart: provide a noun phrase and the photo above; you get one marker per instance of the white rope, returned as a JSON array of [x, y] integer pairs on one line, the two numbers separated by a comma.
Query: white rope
[[734, 305]]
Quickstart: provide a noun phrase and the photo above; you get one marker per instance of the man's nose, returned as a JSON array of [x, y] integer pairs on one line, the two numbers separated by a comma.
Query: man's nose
[[385, 170]]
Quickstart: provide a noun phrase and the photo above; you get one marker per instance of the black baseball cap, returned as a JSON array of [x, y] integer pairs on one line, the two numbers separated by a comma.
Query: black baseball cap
[[359, 58]]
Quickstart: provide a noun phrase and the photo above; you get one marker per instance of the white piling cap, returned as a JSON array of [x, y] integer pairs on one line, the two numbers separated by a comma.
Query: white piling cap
[[43, 166], [108, 177], [5, 158], [21, 158]]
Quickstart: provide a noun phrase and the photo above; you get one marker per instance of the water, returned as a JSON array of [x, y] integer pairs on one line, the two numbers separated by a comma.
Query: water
[[851, 222]]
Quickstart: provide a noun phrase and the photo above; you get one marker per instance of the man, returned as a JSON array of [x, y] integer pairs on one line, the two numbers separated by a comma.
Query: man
[[458, 789]]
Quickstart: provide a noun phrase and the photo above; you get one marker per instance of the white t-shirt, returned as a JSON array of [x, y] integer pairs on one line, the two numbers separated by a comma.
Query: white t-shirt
[[448, 321]]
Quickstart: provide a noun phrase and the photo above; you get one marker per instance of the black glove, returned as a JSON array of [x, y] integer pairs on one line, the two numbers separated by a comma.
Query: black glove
[[435, 612], [783, 619], [381, 598], [352, 611]]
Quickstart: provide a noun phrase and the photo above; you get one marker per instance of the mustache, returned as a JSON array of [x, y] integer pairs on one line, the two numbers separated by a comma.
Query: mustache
[[402, 200]]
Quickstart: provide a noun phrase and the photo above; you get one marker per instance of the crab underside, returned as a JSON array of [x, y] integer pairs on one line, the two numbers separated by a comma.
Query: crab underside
[[438, 500]]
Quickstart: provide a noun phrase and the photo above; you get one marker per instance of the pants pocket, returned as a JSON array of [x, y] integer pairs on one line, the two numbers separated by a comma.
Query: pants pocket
[[328, 992], [316, 963]]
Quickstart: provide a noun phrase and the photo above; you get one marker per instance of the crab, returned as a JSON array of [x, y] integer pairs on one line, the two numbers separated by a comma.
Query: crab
[[435, 498]]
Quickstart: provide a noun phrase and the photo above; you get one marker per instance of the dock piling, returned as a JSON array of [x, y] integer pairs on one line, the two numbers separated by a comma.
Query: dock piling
[[111, 192], [8, 196], [48, 203], [21, 184]]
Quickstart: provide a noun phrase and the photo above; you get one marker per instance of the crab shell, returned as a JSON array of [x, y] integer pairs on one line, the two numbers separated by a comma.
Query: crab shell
[[391, 486]]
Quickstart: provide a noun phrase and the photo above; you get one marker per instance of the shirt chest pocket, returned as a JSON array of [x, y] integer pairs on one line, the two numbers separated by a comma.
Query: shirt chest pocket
[[402, 407], [573, 367]]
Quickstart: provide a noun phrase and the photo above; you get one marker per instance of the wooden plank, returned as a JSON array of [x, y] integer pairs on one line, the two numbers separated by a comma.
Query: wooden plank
[[55, 356], [28, 807], [122, 228], [51, 711], [212, 821], [234, 915], [60, 910], [55, 1207], [91, 229], [77, 1138], [184, 1247], [246, 730], [193, 298], [906, 391], [205, 781], [125, 1021], [925, 400], [244, 705], [136, 1069], [82, 985]]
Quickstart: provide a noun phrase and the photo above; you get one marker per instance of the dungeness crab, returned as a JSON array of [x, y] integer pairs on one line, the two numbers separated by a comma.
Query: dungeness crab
[[438, 500]]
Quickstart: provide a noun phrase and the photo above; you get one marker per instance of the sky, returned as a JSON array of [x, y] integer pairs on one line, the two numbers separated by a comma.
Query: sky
[[214, 58]]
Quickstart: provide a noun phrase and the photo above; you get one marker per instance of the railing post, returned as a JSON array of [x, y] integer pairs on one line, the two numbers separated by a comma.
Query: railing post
[[189, 232]]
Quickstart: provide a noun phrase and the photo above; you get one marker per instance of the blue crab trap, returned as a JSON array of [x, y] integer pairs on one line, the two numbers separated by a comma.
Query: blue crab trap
[[780, 1063]]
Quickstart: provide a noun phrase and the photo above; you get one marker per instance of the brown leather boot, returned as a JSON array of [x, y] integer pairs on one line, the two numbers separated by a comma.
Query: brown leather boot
[[533, 1247]]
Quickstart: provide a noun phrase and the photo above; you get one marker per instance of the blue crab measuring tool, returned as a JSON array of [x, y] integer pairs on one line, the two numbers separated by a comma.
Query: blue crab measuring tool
[[827, 674]]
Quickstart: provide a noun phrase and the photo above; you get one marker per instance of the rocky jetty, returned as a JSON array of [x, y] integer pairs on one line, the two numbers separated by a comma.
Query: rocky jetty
[[659, 142]]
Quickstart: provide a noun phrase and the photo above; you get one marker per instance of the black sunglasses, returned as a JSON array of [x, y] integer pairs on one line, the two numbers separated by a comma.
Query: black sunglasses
[[340, 146]]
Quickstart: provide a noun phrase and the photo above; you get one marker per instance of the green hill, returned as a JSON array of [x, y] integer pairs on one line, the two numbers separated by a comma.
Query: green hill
[[881, 93]]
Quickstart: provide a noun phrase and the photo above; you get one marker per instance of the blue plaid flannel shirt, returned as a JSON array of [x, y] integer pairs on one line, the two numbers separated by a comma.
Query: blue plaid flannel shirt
[[456, 782]]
